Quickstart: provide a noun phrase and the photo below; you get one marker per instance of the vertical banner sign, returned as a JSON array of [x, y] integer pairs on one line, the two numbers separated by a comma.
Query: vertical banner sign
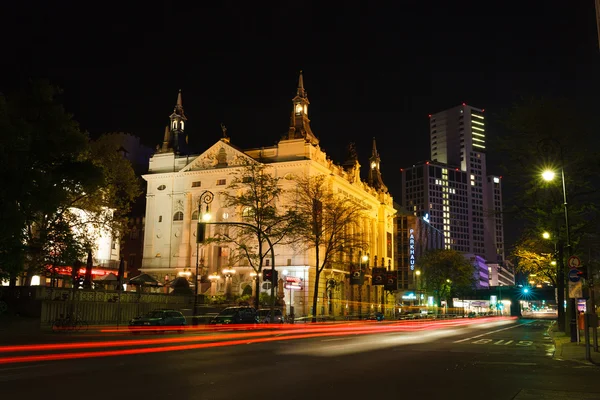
[[411, 249], [379, 275]]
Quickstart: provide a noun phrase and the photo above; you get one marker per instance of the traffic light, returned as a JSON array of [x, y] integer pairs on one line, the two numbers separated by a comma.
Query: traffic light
[[200, 232], [268, 275]]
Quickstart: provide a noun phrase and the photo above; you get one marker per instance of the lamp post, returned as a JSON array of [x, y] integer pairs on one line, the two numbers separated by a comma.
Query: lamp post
[[418, 274], [549, 175], [363, 259], [205, 198]]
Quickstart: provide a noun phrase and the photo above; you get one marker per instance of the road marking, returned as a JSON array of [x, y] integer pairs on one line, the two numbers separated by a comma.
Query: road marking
[[489, 333], [504, 363]]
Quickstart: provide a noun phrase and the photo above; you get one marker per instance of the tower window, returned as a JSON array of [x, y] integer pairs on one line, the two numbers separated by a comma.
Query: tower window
[[221, 182], [178, 216], [196, 184]]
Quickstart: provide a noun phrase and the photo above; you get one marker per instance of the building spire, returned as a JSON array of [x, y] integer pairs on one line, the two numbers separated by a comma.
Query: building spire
[[300, 124], [301, 92], [179, 101], [177, 126], [375, 178]]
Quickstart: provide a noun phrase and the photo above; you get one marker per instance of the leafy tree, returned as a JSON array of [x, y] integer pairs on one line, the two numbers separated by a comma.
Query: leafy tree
[[536, 258], [446, 272], [331, 224], [254, 193], [552, 134], [53, 170]]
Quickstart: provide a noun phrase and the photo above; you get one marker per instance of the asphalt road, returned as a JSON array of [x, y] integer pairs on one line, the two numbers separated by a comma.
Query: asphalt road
[[496, 360]]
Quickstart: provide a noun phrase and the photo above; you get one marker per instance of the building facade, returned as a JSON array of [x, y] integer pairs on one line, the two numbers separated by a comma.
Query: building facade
[[414, 236], [175, 183]]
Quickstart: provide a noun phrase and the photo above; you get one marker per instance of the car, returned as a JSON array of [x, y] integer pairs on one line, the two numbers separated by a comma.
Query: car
[[165, 319], [264, 316], [235, 315]]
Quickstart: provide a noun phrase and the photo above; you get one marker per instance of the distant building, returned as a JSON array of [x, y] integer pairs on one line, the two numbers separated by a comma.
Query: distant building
[[414, 236], [454, 190]]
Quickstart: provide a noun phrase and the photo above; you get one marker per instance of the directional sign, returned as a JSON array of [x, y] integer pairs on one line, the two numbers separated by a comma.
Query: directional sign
[[574, 262], [574, 275]]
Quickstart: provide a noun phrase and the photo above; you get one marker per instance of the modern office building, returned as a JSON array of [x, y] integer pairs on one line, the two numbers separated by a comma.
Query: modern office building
[[414, 236], [458, 137], [453, 190], [439, 194]]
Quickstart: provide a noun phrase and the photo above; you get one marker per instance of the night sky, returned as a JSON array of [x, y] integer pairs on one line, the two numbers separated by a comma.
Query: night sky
[[369, 70]]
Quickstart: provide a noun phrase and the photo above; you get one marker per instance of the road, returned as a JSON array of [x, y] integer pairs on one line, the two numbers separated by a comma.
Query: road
[[492, 359]]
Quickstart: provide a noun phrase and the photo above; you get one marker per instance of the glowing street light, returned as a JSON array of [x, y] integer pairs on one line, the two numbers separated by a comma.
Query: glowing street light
[[548, 175], [546, 235]]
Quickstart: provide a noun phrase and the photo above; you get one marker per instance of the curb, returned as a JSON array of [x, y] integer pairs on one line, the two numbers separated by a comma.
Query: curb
[[558, 348]]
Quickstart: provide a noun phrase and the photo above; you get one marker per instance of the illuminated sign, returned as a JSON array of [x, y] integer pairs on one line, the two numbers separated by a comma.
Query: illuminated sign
[[411, 249], [426, 217], [409, 296]]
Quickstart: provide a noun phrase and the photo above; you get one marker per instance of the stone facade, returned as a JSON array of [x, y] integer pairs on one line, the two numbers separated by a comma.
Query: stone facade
[[175, 184]]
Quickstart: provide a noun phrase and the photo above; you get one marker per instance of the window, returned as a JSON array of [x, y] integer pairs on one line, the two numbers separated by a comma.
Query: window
[[247, 212], [221, 182], [161, 187], [178, 216], [195, 215], [134, 234], [196, 184], [160, 218]]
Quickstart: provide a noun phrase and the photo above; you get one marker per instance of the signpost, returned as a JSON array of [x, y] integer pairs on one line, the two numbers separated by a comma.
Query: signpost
[[574, 262], [574, 275]]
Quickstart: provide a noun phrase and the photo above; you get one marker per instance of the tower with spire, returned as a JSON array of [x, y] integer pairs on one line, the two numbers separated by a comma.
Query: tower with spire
[[375, 178], [299, 122], [177, 126]]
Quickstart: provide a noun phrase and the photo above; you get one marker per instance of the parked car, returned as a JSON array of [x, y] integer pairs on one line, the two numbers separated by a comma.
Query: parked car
[[236, 315], [159, 318], [264, 316]]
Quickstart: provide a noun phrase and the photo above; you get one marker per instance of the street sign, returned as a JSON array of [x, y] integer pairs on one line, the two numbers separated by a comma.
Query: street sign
[[574, 275], [574, 262], [575, 290]]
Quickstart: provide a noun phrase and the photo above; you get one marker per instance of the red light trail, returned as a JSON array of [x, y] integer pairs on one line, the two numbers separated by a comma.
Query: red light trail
[[231, 339]]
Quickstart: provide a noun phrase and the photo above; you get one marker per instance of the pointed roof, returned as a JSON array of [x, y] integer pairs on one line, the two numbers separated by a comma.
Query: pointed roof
[[375, 178], [178, 110], [301, 92], [219, 155], [374, 153]]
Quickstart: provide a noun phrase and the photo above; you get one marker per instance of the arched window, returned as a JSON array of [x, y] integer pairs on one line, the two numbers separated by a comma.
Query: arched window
[[178, 216], [195, 215], [247, 212]]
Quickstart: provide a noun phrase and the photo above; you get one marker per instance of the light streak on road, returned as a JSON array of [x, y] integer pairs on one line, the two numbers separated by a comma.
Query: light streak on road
[[231, 339]]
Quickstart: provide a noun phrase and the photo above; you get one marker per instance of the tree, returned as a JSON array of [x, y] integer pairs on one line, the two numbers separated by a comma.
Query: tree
[[254, 194], [331, 224], [535, 258], [446, 272], [544, 133], [53, 169]]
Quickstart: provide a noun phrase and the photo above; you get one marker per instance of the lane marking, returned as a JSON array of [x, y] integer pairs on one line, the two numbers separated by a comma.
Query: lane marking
[[489, 333], [504, 363]]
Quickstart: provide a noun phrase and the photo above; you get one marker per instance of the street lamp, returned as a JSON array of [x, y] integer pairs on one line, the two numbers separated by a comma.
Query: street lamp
[[549, 175], [363, 259], [418, 274], [205, 198]]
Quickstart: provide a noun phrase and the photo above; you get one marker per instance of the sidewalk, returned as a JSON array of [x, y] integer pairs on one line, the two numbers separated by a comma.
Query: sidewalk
[[572, 351]]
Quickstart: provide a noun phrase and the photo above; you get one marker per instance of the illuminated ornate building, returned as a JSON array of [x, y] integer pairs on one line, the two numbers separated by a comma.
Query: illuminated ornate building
[[175, 183]]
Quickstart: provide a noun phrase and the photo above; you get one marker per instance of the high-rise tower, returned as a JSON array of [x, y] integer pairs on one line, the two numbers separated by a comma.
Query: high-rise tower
[[458, 138]]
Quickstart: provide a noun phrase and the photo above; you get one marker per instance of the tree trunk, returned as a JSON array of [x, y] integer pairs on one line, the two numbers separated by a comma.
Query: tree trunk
[[257, 291], [316, 289]]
